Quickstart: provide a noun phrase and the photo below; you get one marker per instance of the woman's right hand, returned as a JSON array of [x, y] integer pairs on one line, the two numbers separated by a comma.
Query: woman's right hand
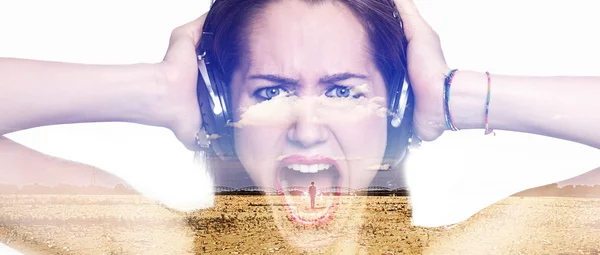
[[427, 69], [161, 94], [177, 108]]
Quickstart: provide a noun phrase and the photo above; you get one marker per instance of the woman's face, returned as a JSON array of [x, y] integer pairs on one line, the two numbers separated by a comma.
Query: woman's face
[[310, 101]]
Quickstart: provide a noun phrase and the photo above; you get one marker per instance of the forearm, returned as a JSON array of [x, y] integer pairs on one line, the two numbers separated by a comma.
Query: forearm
[[560, 107], [38, 93], [20, 165]]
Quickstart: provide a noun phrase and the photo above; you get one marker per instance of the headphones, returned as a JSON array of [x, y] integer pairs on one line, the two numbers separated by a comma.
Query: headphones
[[216, 135]]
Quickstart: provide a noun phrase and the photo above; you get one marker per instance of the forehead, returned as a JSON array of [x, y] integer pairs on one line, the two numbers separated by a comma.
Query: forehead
[[292, 36]]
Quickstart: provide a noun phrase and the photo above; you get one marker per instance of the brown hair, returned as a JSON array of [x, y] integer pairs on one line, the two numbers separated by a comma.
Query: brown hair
[[384, 31]]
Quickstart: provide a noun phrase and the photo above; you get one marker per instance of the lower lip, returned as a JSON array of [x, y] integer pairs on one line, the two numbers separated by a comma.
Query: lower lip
[[326, 217]]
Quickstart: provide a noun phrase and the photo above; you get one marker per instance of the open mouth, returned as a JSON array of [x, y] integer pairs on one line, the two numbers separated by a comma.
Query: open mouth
[[294, 179]]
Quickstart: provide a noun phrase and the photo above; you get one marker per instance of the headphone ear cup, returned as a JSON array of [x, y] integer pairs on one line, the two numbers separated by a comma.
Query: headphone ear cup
[[225, 141], [214, 110], [208, 121], [398, 137]]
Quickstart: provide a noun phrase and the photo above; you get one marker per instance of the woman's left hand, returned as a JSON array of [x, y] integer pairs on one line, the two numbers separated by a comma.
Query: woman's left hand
[[427, 69]]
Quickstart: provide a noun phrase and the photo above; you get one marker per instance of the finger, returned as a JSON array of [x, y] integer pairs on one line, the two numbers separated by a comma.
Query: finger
[[191, 30], [411, 18], [185, 39], [195, 28], [181, 49], [407, 7]]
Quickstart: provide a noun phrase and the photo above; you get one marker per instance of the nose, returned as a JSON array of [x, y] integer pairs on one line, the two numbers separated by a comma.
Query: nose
[[307, 131]]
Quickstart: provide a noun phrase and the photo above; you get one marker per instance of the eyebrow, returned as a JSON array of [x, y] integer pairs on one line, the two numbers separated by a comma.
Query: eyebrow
[[341, 77], [326, 79], [274, 79]]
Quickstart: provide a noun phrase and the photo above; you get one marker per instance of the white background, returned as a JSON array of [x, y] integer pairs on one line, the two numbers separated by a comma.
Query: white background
[[503, 37]]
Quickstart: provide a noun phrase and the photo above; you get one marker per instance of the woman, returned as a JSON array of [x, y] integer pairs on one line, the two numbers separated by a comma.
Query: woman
[[314, 82], [162, 94], [293, 90], [170, 103], [308, 103]]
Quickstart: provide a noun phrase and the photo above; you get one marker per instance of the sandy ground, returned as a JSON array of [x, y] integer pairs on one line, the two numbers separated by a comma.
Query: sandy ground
[[246, 225]]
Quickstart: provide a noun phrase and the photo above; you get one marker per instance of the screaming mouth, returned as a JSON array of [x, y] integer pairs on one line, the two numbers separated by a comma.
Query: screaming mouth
[[294, 178]]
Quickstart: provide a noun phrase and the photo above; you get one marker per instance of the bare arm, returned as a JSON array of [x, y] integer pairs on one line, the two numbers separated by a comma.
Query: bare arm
[[38, 93], [20, 165], [560, 107]]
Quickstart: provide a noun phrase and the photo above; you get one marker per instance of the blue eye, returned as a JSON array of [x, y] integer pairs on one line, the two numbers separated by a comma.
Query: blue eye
[[340, 91], [269, 92]]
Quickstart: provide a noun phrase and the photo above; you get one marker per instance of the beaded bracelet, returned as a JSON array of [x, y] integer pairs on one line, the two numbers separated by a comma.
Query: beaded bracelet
[[488, 130], [446, 97]]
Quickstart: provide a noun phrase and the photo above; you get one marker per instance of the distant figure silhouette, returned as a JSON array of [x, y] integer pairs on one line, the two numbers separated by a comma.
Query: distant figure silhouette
[[312, 192]]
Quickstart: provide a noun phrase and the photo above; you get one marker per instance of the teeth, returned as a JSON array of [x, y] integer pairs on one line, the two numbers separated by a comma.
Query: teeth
[[309, 168], [304, 169]]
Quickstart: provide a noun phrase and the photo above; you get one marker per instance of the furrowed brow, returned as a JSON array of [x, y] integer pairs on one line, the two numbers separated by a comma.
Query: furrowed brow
[[274, 78], [341, 77]]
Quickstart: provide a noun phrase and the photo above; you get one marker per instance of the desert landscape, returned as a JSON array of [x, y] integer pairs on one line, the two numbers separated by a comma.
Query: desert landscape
[[131, 224]]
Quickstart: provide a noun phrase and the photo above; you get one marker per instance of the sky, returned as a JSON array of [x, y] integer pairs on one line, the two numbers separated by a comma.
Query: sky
[[504, 37]]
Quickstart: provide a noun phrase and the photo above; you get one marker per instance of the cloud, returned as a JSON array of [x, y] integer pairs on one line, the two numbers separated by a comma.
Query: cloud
[[380, 167], [284, 110], [360, 89]]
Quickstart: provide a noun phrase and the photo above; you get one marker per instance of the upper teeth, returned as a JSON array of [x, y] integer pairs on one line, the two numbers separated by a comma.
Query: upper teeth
[[309, 168]]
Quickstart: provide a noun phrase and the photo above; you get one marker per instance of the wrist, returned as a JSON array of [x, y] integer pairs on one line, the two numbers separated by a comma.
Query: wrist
[[147, 89], [467, 101], [75, 93], [172, 102], [157, 105]]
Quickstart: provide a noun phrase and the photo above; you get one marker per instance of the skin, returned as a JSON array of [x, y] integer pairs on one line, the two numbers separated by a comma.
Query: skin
[[532, 110], [309, 123], [163, 94], [160, 94]]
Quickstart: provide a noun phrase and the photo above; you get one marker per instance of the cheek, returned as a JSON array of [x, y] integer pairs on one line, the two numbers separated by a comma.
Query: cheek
[[275, 113], [358, 125], [257, 148], [364, 145], [364, 140], [260, 129], [258, 142]]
